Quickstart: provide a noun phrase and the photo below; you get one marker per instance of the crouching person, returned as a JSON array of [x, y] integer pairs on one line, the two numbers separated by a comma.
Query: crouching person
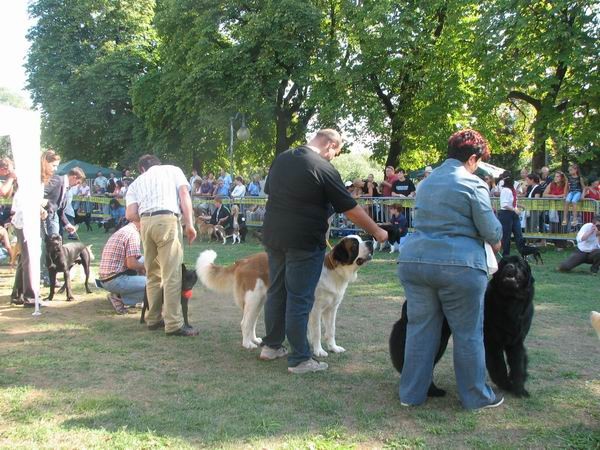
[[588, 248], [122, 271]]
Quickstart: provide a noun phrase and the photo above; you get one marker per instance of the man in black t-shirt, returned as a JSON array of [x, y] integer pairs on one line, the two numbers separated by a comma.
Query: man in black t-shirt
[[301, 185], [403, 187]]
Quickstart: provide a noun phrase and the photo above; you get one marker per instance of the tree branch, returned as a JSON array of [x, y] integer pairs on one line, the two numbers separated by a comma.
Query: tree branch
[[385, 99], [537, 104]]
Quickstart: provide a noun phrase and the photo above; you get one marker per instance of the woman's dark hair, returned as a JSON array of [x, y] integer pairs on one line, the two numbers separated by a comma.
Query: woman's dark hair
[[147, 161], [534, 177], [465, 143], [508, 182]]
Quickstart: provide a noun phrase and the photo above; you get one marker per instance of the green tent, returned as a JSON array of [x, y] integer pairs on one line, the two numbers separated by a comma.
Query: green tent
[[89, 169]]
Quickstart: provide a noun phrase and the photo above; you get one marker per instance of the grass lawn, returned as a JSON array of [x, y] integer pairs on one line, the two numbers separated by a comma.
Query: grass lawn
[[80, 376]]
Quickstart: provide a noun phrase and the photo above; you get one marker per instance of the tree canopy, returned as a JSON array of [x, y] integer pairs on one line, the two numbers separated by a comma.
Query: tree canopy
[[116, 78]]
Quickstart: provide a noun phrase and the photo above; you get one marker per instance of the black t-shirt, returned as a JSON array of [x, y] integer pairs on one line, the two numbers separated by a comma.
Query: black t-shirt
[[405, 187], [301, 184]]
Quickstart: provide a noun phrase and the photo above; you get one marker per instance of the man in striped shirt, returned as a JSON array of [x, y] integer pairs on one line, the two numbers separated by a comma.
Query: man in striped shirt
[[157, 198]]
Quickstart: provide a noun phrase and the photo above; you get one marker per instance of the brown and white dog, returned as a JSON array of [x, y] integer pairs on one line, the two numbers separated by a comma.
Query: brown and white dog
[[248, 280], [595, 319], [210, 230]]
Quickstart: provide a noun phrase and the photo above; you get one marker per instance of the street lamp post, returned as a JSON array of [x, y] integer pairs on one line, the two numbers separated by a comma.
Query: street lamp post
[[243, 134]]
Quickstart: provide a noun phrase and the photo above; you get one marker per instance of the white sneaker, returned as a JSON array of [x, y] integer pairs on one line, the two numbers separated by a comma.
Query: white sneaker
[[497, 402], [269, 353], [310, 365]]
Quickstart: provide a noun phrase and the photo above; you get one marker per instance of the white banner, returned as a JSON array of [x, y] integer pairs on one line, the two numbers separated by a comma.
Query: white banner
[[23, 127]]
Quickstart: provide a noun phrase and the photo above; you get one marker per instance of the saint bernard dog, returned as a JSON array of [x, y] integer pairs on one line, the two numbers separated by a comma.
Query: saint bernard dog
[[248, 280]]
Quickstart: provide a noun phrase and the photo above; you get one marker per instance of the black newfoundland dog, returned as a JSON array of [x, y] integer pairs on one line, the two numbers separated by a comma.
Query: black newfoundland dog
[[507, 318]]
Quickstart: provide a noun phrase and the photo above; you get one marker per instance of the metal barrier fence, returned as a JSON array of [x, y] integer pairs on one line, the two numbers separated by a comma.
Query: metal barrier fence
[[541, 218]]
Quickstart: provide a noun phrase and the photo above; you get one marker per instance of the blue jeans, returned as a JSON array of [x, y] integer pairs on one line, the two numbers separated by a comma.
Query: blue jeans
[[293, 275], [510, 225], [131, 289], [432, 292], [573, 197]]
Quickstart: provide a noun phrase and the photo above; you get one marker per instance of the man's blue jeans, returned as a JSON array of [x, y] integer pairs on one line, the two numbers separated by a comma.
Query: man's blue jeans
[[130, 288], [293, 275], [432, 292]]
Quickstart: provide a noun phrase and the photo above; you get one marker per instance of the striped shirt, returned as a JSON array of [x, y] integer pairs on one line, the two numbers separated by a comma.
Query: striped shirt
[[156, 189], [124, 243]]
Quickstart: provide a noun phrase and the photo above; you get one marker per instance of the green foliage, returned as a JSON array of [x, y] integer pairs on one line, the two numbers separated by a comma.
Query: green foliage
[[84, 56], [351, 166], [545, 54]]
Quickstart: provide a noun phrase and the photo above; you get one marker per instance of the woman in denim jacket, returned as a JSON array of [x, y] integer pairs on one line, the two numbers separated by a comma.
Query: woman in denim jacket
[[443, 269]]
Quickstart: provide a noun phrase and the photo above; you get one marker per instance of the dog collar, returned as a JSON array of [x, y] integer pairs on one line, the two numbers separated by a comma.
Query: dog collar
[[187, 294]]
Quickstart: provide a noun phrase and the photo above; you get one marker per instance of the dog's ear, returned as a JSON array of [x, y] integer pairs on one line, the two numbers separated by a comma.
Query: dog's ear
[[346, 251], [183, 269]]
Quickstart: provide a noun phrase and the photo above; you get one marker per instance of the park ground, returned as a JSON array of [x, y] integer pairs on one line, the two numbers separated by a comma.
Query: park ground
[[80, 376]]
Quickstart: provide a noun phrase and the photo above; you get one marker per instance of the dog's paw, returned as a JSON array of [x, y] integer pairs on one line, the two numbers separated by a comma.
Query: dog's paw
[[337, 349], [520, 392], [320, 353], [249, 345], [257, 340]]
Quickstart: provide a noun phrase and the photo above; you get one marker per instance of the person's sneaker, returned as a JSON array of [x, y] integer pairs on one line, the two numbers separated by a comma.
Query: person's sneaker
[[497, 402], [310, 365], [269, 353], [117, 304]]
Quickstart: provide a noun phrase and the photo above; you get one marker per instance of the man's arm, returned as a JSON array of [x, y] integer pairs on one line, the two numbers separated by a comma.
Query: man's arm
[[358, 216], [131, 212], [185, 203], [131, 262]]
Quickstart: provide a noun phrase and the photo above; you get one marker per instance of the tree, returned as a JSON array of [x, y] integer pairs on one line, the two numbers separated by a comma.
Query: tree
[[261, 58], [402, 75], [11, 98], [544, 53], [84, 56]]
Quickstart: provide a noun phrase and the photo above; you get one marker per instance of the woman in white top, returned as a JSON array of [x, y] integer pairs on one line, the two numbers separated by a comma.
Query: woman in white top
[[509, 216], [239, 190]]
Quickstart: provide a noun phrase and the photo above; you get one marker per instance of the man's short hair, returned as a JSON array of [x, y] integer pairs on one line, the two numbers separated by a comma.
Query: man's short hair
[[218, 199], [147, 161], [77, 173], [331, 135], [400, 169], [534, 177]]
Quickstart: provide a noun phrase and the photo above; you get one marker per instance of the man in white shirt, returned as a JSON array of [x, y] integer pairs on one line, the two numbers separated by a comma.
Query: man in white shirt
[[588, 248], [157, 198]]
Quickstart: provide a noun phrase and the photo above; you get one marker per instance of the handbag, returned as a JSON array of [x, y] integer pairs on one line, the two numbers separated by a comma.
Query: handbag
[[490, 259]]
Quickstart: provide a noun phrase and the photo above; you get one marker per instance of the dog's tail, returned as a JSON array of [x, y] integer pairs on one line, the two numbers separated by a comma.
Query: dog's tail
[[595, 319], [216, 278]]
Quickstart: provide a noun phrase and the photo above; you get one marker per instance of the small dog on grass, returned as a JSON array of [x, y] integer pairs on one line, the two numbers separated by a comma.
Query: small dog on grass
[[188, 281], [530, 250]]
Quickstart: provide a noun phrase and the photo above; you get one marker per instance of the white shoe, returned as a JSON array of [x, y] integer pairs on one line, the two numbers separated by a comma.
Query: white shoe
[[269, 354], [310, 365]]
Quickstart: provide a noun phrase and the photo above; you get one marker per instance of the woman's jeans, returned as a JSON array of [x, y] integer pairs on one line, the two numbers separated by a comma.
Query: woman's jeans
[[293, 275], [510, 225], [456, 292]]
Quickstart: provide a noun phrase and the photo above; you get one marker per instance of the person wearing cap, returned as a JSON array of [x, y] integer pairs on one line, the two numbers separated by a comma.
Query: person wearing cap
[[427, 172], [157, 198]]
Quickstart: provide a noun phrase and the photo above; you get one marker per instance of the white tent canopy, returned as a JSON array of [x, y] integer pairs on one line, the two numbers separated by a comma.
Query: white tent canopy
[[23, 128]]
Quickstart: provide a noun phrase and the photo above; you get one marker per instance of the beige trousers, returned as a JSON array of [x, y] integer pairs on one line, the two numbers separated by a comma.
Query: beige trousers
[[163, 255]]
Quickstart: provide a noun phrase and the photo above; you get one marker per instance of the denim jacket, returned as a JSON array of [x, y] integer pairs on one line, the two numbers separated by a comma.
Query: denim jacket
[[453, 217]]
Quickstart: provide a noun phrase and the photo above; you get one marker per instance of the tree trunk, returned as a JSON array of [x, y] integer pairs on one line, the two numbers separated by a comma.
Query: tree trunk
[[396, 146], [196, 162], [540, 135], [281, 129]]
